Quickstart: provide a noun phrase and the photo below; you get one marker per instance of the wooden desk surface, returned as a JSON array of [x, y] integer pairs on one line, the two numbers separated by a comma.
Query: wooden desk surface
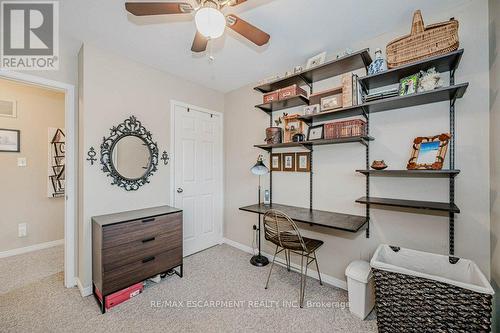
[[345, 222]]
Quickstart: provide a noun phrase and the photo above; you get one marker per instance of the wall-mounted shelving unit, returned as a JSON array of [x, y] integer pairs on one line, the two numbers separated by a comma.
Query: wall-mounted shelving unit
[[411, 173], [361, 59], [352, 62], [308, 144]]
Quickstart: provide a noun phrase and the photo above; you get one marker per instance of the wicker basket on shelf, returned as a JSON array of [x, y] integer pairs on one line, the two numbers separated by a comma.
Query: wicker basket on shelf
[[423, 42], [345, 129]]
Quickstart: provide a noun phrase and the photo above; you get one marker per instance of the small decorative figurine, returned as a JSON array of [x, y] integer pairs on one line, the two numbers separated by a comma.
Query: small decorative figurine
[[378, 65], [429, 80], [379, 165]]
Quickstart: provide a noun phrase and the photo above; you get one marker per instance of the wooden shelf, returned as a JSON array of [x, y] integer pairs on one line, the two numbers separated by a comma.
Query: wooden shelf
[[340, 221], [437, 95], [442, 63], [411, 173], [360, 139], [349, 63], [426, 205], [284, 104]]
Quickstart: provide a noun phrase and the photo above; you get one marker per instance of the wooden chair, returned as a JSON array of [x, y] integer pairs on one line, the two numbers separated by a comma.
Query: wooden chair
[[282, 231]]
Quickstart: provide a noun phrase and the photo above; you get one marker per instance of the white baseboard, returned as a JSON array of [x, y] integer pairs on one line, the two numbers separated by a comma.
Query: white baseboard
[[31, 248], [84, 291], [311, 273]]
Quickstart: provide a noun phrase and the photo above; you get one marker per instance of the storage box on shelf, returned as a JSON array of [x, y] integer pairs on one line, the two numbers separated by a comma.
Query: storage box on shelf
[[345, 129]]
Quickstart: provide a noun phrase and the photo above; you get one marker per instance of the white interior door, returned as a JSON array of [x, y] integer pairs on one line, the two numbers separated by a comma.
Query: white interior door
[[198, 176]]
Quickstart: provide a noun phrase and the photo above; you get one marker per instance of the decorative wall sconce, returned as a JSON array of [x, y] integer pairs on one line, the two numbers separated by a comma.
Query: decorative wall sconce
[[165, 158], [91, 155]]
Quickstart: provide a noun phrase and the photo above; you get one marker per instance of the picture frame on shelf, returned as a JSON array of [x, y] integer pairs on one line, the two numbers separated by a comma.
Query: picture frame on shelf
[[311, 109], [428, 152], [10, 140], [303, 162], [317, 60], [331, 102], [288, 162], [408, 85], [276, 162], [315, 133]]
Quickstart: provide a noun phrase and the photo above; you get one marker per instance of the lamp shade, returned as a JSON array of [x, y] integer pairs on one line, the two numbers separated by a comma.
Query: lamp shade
[[210, 22], [259, 168]]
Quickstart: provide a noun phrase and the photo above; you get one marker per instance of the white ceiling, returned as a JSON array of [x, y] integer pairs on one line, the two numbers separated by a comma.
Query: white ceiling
[[298, 29]]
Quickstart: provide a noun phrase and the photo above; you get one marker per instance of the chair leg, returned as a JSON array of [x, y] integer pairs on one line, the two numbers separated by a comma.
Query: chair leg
[[305, 279], [301, 301], [317, 268], [287, 259], [271, 268]]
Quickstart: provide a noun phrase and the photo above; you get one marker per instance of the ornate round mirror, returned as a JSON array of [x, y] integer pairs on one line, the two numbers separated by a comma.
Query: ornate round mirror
[[129, 155]]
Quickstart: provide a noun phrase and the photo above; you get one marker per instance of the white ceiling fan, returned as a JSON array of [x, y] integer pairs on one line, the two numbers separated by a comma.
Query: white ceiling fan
[[209, 18]]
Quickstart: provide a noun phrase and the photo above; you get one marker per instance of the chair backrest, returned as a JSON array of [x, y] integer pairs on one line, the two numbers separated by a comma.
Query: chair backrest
[[280, 228]]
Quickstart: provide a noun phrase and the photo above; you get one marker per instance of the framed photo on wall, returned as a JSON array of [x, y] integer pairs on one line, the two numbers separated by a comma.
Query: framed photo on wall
[[10, 140], [276, 162], [288, 162], [428, 152], [303, 162]]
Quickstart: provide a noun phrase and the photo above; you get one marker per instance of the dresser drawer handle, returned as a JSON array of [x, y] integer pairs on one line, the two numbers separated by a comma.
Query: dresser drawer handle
[[145, 260], [148, 220], [148, 239]]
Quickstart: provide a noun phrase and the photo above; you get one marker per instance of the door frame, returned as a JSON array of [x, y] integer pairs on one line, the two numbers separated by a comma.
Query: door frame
[[173, 104], [70, 168]]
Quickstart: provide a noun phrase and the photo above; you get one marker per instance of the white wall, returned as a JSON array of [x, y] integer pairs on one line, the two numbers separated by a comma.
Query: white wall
[[37, 110], [336, 185], [495, 150], [114, 88]]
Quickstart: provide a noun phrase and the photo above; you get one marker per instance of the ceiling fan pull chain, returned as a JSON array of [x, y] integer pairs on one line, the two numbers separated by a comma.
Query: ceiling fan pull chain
[[211, 57]]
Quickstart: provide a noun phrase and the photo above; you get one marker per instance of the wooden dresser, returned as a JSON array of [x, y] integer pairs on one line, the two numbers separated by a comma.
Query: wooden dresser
[[133, 246]]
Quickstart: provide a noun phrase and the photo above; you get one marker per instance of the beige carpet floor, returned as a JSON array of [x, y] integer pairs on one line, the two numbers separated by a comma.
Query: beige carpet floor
[[220, 292]]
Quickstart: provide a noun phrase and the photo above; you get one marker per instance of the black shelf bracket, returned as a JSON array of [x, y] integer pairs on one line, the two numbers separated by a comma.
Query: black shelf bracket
[[451, 228], [367, 166], [309, 84]]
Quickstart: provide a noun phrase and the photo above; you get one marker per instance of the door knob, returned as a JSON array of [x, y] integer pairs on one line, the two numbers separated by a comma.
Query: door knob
[[180, 190]]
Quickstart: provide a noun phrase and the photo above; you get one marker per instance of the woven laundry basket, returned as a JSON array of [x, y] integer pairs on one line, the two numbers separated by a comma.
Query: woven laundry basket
[[423, 42], [423, 292]]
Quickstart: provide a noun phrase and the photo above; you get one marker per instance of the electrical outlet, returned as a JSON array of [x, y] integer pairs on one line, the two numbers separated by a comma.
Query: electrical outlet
[[22, 230], [21, 161]]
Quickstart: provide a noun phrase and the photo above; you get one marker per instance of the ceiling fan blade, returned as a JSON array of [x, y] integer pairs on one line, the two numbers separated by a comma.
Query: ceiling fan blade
[[200, 43], [236, 2], [158, 8], [247, 30]]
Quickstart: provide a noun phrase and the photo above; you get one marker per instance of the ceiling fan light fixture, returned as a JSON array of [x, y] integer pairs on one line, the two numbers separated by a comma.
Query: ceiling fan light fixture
[[210, 22]]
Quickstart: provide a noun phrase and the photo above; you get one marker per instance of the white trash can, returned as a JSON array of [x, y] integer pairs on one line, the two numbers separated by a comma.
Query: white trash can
[[360, 287]]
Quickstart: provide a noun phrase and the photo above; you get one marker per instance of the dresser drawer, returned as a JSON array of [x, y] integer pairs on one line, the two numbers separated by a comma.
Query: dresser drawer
[[124, 254], [140, 270], [126, 232]]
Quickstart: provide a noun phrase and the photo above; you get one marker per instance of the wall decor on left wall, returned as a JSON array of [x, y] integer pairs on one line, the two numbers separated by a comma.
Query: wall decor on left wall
[[57, 163], [10, 140]]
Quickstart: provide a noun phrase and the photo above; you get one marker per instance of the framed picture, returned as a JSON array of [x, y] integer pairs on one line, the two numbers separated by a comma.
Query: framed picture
[[331, 102], [10, 140], [428, 152], [8, 108], [276, 162], [303, 162], [288, 162], [316, 60], [311, 109], [408, 85], [315, 133]]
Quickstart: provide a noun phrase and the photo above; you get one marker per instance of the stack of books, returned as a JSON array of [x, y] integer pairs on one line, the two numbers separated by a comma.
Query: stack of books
[[381, 94]]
